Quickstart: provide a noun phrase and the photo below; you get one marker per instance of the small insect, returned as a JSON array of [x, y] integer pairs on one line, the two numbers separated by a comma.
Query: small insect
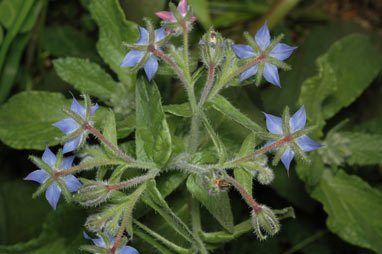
[[222, 184]]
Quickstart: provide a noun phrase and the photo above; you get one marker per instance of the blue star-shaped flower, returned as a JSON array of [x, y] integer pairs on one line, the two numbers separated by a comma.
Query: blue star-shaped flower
[[70, 126], [134, 56], [296, 123], [280, 52], [53, 192], [100, 242]]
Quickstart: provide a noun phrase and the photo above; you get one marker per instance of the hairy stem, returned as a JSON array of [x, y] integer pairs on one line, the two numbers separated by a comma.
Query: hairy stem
[[196, 223], [207, 86], [248, 197], [83, 166], [115, 149], [129, 183], [256, 153]]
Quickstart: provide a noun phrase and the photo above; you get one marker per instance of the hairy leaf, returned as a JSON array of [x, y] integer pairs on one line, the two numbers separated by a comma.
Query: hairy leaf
[[354, 208], [218, 204], [86, 77], [153, 138]]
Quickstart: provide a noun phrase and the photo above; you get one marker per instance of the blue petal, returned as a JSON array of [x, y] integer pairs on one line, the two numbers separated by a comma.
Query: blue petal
[[262, 37], [243, 51], [67, 125], [38, 176], [144, 36], [128, 250], [132, 58], [78, 108], [201, 42], [86, 236], [271, 74], [72, 183], [282, 51], [274, 123], [248, 73], [99, 242], [287, 157], [67, 162], [53, 195], [307, 144], [94, 108], [48, 157], [151, 67], [298, 120], [72, 144], [160, 33]]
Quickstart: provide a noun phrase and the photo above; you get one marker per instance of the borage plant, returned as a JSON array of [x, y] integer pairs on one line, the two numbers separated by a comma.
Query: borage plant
[[127, 174]]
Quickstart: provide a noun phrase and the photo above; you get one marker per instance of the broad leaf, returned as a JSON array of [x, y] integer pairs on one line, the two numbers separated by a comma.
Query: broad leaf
[[114, 30], [26, 119], [86, 77], [354, 208], [183, 110], [225, 107], [153, 138], [365, 149], [242, 175], [218, 204]]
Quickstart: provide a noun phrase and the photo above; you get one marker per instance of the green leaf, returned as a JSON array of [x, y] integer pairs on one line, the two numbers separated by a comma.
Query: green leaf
[[218, 204], [242, 175], [1, 34], [225, 107], [155, 199], [64, 41], [133, 198], [32, 16], [366, 149], [9, 9], [216, 140], [304, 66], [354, 208], [183, 110], [201, 11], [86, 77], [110, 131], [339, 81], [153, 138], [26, 119], [113, 31]]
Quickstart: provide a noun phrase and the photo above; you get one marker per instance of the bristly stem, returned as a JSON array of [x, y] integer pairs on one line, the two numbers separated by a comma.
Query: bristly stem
[[180, 74], [234, 74], [244, 193], [83, 166], [256, 153], [120, 233], [129, 183], [115, 149], [208, 85]]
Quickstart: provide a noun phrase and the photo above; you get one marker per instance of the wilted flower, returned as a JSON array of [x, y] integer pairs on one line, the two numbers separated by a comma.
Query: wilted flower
[[298, 144], [142, 55], [265, 222], [75, 131], [109, 243], [53, 192], [271, 55]]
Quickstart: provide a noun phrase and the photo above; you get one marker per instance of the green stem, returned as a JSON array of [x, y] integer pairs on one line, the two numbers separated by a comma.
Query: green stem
[[9, 38], [115, 149], [207, 86], [194, 135], [166, 242], [224, 81], [258, 152], [196, 223], [84, 166], [306, 241]]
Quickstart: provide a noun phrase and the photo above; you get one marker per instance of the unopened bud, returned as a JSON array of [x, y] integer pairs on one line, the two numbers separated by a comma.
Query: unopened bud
[[92, 193], [265, 223], [265, 176]]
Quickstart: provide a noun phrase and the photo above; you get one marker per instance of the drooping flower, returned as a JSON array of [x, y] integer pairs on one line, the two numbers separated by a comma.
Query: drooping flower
[[298, 142], [270, 54], [53, 192], [101, 243], [74, 130], [142, 53], [169, 17]]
